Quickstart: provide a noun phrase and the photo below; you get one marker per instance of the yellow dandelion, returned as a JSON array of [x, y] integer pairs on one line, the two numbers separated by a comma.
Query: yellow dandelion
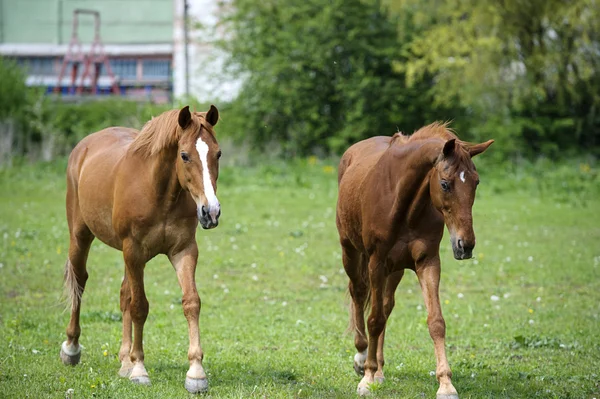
[[105, 353], [58, 250], [447, 301], [530, 310], [328, 169], [584, 167], [480, 255], [312, 160]]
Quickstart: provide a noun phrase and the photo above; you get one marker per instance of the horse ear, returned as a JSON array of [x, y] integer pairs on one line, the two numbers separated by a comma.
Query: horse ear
[[477, 149], [185, 117], [449, 148], [212, 116]]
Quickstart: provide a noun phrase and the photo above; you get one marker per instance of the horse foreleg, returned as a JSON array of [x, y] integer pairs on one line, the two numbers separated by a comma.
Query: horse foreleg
[[184, 263], [138, 309], [125, 351], [375, 322], [391, 284], [429, 278]]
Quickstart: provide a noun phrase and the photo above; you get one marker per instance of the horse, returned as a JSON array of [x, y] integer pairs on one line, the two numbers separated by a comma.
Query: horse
[[395, 195], [143, 193]]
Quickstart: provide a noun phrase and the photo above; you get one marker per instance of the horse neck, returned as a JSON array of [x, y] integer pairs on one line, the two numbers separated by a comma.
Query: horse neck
[[164, 175], [410, 173]]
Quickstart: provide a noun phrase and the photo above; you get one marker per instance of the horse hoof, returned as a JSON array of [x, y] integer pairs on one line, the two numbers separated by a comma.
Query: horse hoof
[[379, 379], [363, 391], [70, 356], [196, 385], [446, 396], [359, 362], [140, 380], [360, 370], [125, 371]]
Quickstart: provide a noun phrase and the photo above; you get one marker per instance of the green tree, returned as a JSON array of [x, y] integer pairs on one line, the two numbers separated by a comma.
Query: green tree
[[13, 92], [526, 71], [13, 101], [317, 74]]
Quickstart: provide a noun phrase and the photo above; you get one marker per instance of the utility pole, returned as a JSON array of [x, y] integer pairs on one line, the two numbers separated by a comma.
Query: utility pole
[[186, 40]]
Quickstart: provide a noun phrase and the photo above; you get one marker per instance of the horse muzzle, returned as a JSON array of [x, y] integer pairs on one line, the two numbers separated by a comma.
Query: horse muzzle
[[462, 249], [209, 216]]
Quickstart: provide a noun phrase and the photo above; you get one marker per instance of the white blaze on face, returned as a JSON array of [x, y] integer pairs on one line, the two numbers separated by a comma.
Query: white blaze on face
[[462, 176], [209, 190]]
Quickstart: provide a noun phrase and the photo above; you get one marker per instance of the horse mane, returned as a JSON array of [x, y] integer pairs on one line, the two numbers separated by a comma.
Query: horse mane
[[440, 130], [157, 134]]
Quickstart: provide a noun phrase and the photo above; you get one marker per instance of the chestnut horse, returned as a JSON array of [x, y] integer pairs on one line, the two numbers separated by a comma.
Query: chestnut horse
[[395, 194], [143, 193]]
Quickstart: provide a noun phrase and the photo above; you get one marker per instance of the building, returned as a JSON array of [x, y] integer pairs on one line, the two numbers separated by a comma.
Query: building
[[143, 40]]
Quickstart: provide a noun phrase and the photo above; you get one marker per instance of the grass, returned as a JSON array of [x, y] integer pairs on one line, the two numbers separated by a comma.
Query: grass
[[522, 316]]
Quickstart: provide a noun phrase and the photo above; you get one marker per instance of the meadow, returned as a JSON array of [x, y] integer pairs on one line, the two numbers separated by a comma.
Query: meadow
[[522, 316]]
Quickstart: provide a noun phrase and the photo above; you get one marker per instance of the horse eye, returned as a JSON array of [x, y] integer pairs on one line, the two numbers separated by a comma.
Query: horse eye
[[445, 185], [185, 157], [219, 154]]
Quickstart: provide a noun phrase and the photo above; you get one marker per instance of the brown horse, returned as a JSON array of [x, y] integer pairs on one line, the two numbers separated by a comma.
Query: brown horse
[[395, 194], [143, 193]]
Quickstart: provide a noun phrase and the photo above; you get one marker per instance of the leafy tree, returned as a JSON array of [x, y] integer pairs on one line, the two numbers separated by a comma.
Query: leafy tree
[[13, 95], [526, 71], [317, 73]]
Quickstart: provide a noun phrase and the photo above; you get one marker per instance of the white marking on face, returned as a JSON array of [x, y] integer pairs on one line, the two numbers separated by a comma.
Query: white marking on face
[[209, 190], [462, 176]]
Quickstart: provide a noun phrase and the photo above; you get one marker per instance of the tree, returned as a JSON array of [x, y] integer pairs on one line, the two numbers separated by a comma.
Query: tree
[[317, 74], [525, 70], [13, 99]]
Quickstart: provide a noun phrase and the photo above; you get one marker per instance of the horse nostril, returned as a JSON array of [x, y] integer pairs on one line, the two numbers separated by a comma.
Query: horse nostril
[[204, 211], [219, 214], [460, 244]]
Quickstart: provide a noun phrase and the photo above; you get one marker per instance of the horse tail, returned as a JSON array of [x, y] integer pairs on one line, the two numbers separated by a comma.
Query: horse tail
[[72, 289]]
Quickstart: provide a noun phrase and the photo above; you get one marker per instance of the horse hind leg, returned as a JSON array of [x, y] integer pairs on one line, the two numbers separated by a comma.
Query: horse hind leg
[[75, 278], [354, 265]]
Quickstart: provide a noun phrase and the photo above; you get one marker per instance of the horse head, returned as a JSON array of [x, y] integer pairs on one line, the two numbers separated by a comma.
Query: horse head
[[198, 162], [452, 189]]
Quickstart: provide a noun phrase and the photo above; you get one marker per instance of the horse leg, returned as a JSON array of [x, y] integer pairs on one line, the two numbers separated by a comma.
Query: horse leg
[[124, 352], [358, 289], [75, 278], [429, 278], [138, 310], [375, 322], [391, 284], [184, 263]]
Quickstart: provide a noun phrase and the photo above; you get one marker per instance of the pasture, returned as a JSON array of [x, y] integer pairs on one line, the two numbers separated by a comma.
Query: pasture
[[523, 316]]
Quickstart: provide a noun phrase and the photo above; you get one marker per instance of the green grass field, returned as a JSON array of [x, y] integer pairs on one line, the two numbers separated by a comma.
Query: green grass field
[[522, 316]]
